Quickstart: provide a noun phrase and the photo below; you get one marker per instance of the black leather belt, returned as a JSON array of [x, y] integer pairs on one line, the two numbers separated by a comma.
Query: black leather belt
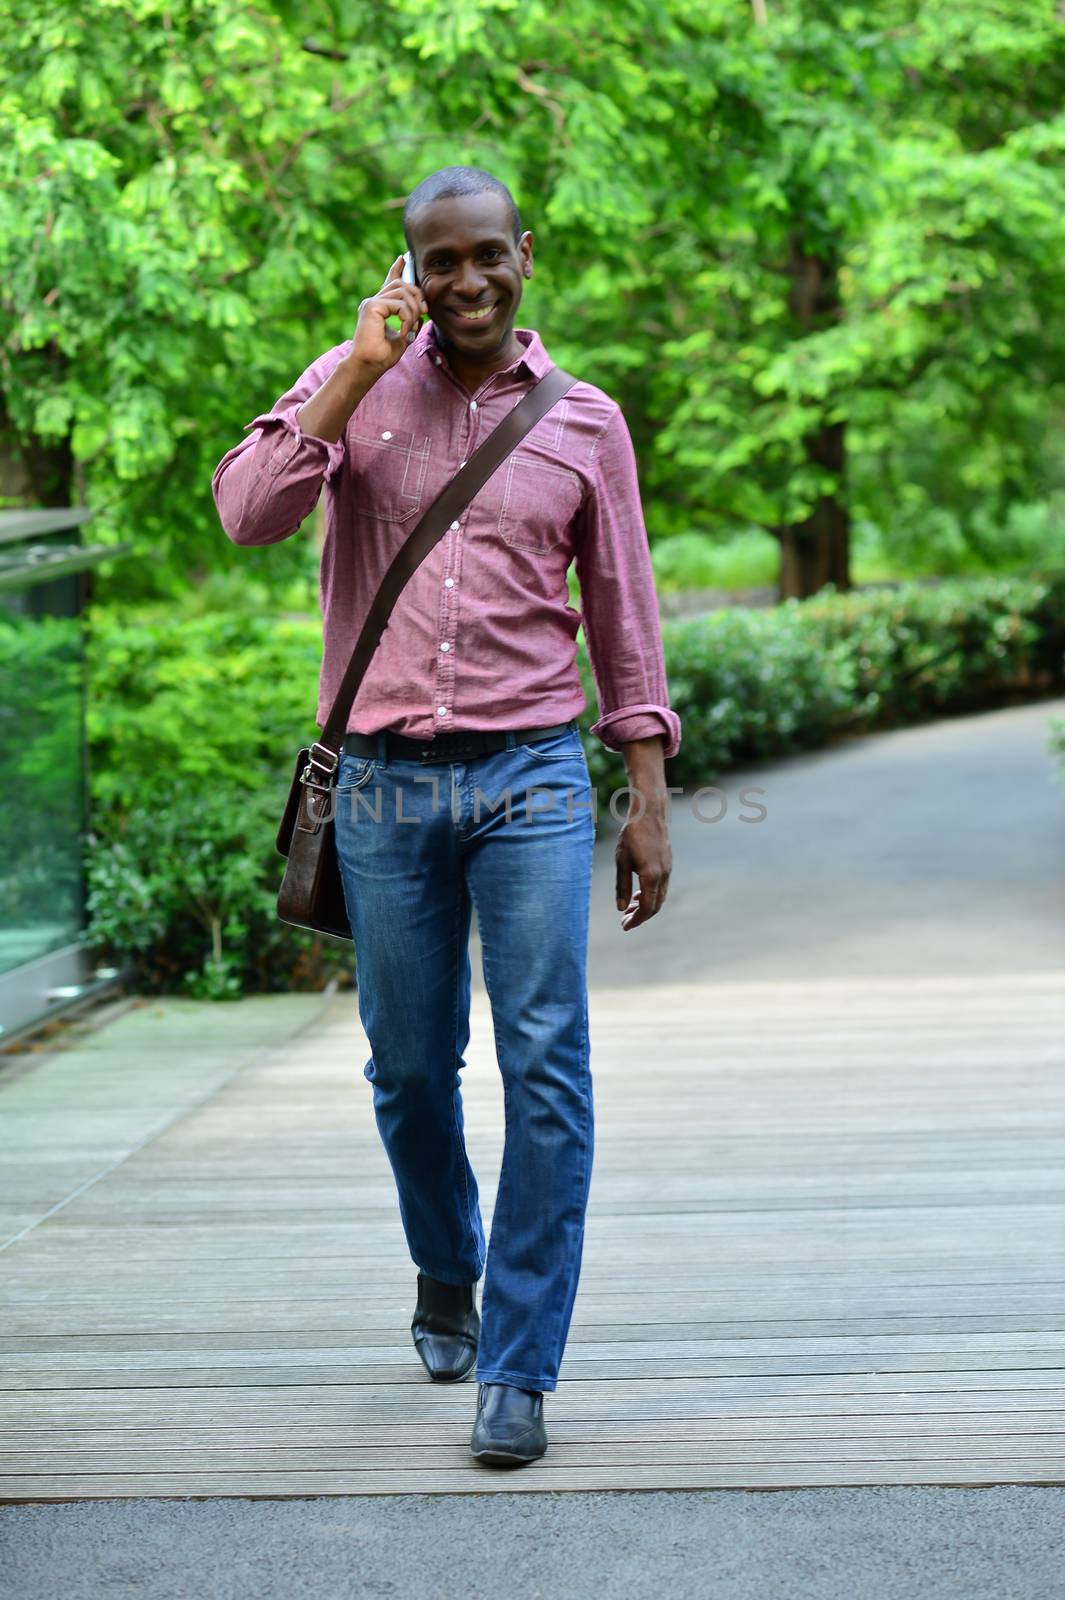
[[455, 745]]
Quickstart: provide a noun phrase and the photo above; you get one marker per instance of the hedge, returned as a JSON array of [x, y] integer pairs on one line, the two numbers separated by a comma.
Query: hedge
[[195, 720]]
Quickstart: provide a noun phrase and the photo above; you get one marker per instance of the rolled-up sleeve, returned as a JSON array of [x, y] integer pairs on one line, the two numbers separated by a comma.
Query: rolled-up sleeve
[[618, 600], [266, 486]]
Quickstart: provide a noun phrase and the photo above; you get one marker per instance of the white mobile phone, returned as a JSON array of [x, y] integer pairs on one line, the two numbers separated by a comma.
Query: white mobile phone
[[408, 277]]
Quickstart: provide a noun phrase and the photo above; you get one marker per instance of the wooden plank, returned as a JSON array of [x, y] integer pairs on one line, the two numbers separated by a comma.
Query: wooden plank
[[464, 1475], [810, 1233], [452, 1451], [371, 1333], [673, 1401], [369, 1368], [203, 1349], [431, 1431], [362, 1328]]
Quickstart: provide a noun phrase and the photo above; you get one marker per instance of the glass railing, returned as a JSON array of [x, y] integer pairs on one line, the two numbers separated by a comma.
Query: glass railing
[[42, 770], [43, 773]]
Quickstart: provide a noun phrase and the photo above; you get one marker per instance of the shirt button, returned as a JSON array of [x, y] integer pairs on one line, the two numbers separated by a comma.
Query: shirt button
[[449, 583], [445, 646], [462, 463], [386, 436], [437, 360], [454, 524], [441, 711], [473, 405]]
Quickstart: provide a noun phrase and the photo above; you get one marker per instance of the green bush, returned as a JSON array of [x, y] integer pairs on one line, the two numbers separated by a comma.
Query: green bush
[[194, 724], [749, 685], [195, 720], [915, 650]]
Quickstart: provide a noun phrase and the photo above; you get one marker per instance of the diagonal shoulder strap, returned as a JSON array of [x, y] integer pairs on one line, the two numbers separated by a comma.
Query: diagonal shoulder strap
[[467, 482]]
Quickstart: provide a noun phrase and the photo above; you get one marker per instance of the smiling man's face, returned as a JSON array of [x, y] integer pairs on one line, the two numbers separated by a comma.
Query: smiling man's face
[[471, 272]]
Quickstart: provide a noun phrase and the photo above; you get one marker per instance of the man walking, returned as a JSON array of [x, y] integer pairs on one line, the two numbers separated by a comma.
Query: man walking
[[462, 781]]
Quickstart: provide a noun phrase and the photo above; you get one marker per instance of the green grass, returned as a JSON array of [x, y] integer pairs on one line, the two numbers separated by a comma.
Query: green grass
[[752, 560], [693, 561], [1030, 538]]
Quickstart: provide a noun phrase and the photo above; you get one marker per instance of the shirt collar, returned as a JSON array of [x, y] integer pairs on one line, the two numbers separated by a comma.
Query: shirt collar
[[534, 358]]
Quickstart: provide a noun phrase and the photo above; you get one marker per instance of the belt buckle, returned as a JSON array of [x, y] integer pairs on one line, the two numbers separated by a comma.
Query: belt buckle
[[456, 750]]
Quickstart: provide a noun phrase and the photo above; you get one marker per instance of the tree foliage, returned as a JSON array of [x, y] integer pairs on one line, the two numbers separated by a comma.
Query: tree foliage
[[818, 260]]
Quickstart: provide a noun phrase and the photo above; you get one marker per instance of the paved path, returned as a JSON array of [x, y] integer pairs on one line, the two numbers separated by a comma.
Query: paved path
[[936, 850], [839, 1214]]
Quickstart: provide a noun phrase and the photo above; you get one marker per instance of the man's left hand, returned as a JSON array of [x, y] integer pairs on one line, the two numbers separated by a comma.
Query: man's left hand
[[643, 847]]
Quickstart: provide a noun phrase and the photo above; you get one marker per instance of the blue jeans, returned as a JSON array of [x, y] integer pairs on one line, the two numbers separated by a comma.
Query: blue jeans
[[510, 833]]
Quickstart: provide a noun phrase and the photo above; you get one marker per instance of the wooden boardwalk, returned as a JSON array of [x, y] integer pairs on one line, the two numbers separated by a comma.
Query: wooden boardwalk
[[826, 1245]]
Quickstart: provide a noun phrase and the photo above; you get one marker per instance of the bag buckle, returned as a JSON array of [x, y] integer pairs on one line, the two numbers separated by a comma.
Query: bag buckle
[[327, 767]]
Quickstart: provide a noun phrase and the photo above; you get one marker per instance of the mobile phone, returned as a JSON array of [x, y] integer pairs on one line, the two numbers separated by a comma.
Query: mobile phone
[[410, 277]]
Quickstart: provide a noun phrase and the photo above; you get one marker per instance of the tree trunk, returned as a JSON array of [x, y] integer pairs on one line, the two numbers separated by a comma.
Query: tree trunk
[[34, 474], [816, 550]]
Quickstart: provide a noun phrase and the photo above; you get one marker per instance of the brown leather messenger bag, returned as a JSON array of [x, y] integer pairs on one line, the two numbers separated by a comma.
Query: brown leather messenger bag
[[311, 893]]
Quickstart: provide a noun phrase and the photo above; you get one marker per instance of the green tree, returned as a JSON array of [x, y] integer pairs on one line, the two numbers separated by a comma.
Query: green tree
[[816, 256], [176, 220]]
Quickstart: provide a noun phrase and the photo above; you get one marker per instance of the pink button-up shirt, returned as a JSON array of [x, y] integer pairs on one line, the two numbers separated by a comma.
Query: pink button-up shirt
[[483, 636]]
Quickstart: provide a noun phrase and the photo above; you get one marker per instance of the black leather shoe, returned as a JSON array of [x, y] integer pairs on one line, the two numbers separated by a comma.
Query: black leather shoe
[[510, 1425], [446, 1329]]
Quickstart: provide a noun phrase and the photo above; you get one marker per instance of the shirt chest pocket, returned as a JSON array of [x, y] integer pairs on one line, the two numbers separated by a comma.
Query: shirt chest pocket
[[539, 502], [392, 468]]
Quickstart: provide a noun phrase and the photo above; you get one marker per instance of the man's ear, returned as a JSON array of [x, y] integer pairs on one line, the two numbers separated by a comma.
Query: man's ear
[[525, 244]]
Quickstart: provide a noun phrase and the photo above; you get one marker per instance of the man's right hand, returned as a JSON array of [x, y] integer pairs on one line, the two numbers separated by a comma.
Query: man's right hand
[[377, 347]]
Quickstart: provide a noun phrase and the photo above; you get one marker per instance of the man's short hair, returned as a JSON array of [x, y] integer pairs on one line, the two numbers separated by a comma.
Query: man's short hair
[[450, 181]]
